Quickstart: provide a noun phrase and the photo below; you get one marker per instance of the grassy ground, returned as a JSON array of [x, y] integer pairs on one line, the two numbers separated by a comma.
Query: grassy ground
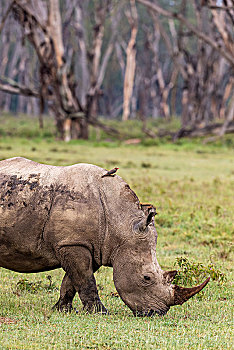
[[191, 185]]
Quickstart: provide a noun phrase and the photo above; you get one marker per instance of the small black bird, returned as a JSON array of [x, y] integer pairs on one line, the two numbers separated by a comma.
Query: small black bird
[[110, 172]]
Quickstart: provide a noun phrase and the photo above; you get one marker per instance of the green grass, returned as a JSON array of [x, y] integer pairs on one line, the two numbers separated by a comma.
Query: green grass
[[191, 185]]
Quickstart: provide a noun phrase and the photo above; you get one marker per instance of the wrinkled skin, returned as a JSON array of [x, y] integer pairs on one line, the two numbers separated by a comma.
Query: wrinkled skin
[[71, 217]]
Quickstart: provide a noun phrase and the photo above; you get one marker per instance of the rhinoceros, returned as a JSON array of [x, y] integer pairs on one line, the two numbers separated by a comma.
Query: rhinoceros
[[73, 218]]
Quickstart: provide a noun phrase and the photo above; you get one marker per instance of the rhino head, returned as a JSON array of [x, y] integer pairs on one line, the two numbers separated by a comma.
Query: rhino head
[[141, 283]]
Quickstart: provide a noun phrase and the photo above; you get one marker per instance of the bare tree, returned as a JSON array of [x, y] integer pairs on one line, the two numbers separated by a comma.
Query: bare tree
[[222, 49], [42, 26], [58, 62], [131, 60], [205, 71]]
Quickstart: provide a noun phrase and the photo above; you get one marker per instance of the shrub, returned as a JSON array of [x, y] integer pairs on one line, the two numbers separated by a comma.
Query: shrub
[[191, 272]]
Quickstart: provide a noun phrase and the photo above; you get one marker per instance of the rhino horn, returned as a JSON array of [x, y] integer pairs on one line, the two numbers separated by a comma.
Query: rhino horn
[[181, 295], [169, 275]]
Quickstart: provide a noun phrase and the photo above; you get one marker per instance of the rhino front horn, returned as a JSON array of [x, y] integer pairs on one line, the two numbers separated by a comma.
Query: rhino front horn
[[181, 295]]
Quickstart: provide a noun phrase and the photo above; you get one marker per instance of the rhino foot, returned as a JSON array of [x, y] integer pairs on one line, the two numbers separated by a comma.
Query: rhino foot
[[67, 308], [97, 308]]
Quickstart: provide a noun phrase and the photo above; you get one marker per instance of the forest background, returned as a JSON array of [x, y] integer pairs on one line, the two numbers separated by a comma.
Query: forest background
[[82, 60]]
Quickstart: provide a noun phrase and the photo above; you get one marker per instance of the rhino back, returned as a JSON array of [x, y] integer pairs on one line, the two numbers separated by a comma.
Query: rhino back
[[42, 206]]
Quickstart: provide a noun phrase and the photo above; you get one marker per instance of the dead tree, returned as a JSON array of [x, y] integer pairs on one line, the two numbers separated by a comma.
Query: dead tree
[[17, 63], [130, 60], [221, 48], [94, 57], [207, 71], [162, 77], [42, 26]]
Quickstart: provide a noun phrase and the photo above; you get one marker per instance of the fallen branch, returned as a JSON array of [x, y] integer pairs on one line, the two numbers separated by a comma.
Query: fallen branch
[[149, 133], [108, 129], [93, 121], [207, 130]]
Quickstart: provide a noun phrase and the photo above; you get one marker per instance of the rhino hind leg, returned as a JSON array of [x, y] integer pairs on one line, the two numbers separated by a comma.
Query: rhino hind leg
[[77, 263], [67, 293]]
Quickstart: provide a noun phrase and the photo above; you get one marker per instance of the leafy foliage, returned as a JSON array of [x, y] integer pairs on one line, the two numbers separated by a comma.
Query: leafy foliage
[[190, 272]]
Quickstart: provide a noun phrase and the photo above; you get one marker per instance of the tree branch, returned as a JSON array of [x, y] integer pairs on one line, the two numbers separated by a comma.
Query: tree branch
[[12, 87], [229, 57], [225, 8], [5, 16]]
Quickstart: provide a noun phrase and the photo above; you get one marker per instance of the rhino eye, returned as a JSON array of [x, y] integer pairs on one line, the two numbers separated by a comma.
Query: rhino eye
[[147, 278]]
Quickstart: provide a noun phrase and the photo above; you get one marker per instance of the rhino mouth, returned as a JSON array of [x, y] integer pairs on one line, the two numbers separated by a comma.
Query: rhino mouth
[[150, 313]]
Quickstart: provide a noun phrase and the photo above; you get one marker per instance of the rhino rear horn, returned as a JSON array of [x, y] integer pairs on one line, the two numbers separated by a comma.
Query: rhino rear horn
[[181, 295]]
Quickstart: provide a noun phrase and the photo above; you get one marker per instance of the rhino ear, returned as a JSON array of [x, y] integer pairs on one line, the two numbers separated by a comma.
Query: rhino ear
[[147, 208], [150, 211], [169, 275], [151, 214]]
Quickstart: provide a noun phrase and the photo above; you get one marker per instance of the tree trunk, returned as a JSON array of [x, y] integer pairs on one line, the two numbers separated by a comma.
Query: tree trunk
[[131, 61], [45, 34]]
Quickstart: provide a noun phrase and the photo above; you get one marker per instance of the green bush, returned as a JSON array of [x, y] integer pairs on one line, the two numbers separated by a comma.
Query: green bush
[[190, 272]]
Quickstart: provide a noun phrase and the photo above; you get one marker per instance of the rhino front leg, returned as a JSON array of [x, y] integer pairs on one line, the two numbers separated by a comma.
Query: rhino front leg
[[77, 263], [67, 293]]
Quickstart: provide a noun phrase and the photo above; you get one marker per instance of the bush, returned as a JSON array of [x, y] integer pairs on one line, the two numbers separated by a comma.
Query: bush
[[190, 273]]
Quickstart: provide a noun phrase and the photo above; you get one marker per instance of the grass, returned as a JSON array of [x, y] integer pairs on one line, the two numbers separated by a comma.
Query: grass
[[191, 185]]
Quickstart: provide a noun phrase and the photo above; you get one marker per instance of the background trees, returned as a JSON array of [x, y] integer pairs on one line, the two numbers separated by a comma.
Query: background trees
[[82, 59]]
